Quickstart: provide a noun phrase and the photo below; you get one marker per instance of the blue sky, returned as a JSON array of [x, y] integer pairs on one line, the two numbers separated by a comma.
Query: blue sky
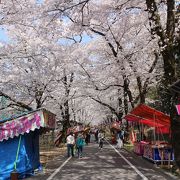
[[3, 35], [39, 1], [85, 38]]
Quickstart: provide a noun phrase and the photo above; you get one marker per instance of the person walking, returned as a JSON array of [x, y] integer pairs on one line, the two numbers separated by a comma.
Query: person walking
[[70, 140], [120, 139], [87, 139], [96, 135], [100, 139], [80, 142]]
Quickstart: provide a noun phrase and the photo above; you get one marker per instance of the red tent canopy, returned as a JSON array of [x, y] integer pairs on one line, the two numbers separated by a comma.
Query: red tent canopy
[[151, 117]]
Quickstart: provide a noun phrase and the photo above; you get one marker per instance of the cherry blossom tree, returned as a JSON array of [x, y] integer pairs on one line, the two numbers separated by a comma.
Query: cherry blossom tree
[[48, 62], [121, 48]]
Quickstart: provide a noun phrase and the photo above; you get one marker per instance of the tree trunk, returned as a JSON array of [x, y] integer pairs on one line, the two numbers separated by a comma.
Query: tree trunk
[[169, 66], [168, 101], [66, 116], [141, 93], [66, 125]]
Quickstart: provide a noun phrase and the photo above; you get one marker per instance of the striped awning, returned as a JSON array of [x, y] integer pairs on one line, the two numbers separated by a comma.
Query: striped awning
[[27, 123]]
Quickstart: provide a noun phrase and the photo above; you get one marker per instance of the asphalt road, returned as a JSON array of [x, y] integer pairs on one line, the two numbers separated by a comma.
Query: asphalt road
[[106, 164]]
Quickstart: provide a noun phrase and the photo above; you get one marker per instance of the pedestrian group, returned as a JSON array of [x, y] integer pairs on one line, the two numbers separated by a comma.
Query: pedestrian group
[[76, 143]]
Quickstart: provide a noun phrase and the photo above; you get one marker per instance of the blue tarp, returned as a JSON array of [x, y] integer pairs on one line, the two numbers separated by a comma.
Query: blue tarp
[[28, 158]]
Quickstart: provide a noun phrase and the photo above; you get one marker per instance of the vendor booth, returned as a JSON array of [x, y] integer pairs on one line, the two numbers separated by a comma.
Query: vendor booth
[[156, 149], [19, 142]]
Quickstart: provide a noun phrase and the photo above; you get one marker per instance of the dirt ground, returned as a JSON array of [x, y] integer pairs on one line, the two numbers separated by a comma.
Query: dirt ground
[[47, 155], [48, 151]]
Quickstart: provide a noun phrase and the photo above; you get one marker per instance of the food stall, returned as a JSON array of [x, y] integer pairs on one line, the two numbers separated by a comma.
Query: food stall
[[19, 141], [155, 149]]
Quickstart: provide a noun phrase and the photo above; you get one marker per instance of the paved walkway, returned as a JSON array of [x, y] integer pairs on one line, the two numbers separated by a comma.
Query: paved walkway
[[106, 164]]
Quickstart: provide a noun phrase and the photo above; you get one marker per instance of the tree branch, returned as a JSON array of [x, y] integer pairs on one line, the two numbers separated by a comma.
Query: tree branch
[[20, 104]]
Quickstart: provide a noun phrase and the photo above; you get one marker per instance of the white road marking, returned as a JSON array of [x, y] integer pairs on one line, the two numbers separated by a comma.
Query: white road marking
[[132, 166], [58, 169]]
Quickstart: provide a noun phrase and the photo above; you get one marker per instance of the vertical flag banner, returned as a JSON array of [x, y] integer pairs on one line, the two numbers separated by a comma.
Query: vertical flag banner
[[178, 109]]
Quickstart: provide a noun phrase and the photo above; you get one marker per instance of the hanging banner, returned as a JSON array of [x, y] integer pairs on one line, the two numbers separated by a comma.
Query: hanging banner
[[178, 109], [27, 123]]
